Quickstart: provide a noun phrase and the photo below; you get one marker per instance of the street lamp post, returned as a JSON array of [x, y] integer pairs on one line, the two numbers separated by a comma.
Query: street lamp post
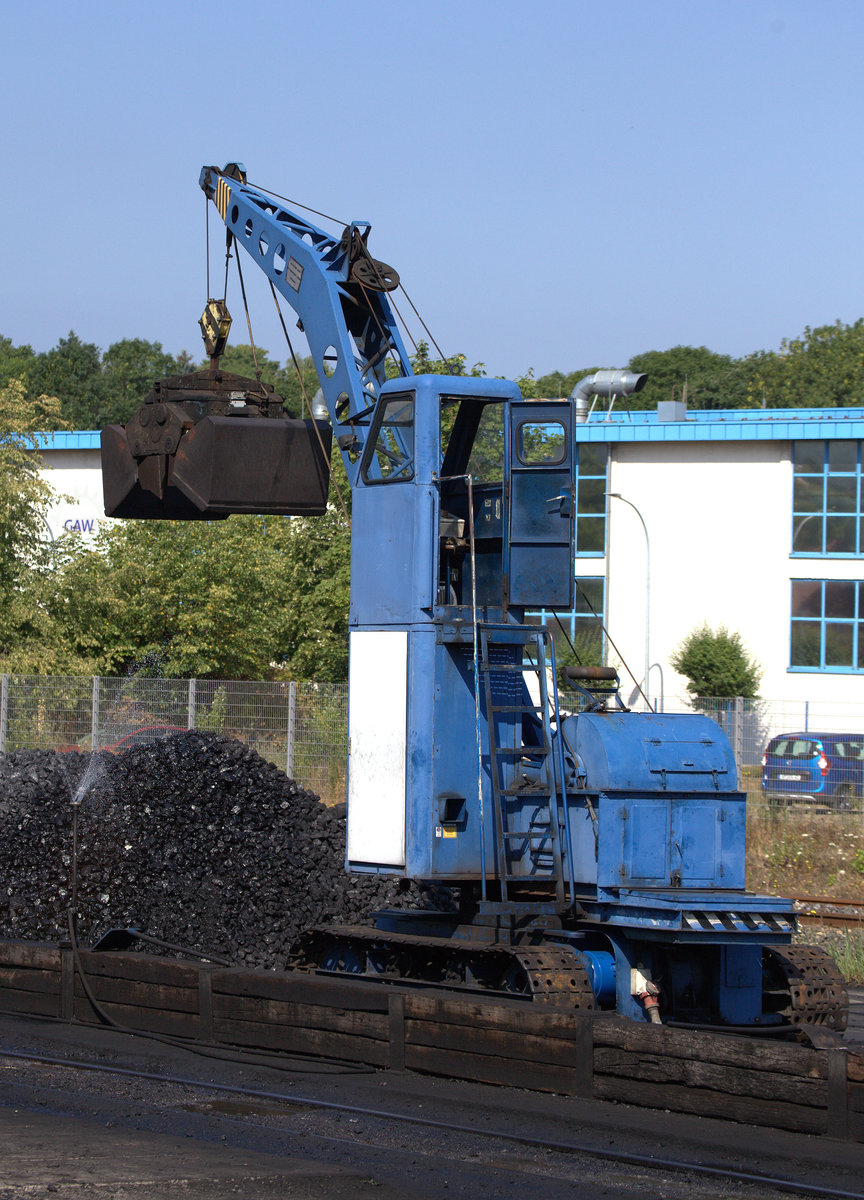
[[630, 504]]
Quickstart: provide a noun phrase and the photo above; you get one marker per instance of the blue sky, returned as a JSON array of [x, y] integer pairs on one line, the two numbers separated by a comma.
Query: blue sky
[[560, 185]]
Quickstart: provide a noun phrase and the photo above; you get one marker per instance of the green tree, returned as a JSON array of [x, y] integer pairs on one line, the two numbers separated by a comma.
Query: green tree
[[695, 373], [314, 619], [715, 663], [823, 368], [245, 598], [422, 363], [16, 362], [557, 385], [72, 371], [289, 385], [25, 496], [240, 358]]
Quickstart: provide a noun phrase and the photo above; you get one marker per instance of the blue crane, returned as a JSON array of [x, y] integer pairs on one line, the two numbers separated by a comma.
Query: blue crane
[[599, 853]]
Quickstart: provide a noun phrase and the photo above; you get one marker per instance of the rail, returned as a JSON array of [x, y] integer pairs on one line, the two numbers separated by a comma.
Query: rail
[[825, 910]]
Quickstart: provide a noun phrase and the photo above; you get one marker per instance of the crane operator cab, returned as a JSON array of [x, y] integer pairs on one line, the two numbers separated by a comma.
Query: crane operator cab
[[433, 512], [463, 518]]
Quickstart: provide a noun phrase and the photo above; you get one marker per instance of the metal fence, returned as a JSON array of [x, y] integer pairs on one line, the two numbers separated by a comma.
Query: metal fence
[[750, 724], [302, 727]]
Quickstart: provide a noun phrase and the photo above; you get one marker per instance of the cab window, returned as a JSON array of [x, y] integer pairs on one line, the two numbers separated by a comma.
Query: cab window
[[541, 443], [389, 456]]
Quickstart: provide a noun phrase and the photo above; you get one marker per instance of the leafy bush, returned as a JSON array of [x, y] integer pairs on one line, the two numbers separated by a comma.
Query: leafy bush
[[715, 663]]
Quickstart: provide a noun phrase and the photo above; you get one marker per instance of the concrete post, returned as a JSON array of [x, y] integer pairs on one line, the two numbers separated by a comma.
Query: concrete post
[[291, 731]]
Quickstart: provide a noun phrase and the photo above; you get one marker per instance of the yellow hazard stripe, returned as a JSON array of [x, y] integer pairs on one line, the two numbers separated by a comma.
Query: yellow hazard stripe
[[223, 195]]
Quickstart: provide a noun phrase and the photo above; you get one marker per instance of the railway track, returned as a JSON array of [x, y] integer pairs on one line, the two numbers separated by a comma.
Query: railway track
[[825, 910], [365, 1128]]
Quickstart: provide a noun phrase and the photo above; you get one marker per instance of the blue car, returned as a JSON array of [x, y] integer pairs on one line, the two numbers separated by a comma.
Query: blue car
[[823, 768]]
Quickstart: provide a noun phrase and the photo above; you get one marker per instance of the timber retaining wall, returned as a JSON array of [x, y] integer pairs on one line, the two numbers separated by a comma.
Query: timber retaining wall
[[511, 1042]]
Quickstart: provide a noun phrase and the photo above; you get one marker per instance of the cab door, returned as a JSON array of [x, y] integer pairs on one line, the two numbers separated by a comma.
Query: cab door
[[540, 506]]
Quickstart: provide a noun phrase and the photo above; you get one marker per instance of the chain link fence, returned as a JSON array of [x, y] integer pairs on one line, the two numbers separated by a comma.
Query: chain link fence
[[302, 727], [751, 724]]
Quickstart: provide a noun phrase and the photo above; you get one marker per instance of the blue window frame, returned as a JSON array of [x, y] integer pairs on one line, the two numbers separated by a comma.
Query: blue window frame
[[580, 624], [826, 505], [591, 465], [827, 631]]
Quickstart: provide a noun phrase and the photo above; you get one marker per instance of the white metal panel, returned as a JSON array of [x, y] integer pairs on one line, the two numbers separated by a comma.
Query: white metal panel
[[377, 729]]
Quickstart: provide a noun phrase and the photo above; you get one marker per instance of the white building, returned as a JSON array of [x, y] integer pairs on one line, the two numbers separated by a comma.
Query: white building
[[752, 519], [73, 469], [748, 518]]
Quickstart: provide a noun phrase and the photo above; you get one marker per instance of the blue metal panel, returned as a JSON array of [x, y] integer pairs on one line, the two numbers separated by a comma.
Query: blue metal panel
[[697, 843], [388, 554], [583, 840], [641, 829], [739, 999], [455, 842], [538, 555], [624, 751], [661, 840], [419, 791]]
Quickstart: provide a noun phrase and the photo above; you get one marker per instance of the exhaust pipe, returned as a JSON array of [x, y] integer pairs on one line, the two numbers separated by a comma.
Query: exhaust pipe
[[608, 384]]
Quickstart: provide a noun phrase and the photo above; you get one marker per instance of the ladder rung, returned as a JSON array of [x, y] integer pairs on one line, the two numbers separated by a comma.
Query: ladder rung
[[542, 834], [526, 791], [515, 708], [524, 751]]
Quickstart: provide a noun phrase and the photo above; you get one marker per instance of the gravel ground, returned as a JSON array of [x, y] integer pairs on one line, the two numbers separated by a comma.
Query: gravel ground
[[68, 1131]]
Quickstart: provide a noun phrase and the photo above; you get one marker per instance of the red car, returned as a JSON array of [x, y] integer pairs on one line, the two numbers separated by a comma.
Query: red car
[[143, 736]]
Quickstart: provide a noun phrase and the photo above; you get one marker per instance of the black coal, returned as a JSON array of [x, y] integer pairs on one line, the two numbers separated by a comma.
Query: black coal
[[194, 839]]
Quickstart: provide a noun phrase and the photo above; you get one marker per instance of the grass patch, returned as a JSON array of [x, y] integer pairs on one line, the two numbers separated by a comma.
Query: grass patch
[[848, 951], [811, 853], [805, 852]]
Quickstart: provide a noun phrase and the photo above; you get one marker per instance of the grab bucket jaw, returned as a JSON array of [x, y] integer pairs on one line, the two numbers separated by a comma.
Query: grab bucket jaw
[[175, 461]]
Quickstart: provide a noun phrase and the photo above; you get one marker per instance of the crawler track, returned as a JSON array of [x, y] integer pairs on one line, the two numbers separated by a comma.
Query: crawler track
[[803, 984], [810, 989], [545, 974]]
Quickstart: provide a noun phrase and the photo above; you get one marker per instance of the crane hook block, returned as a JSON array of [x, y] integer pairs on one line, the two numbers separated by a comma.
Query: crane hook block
[[215, 326]]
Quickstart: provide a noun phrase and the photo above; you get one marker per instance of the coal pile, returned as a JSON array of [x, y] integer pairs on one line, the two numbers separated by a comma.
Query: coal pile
[[194, 839]]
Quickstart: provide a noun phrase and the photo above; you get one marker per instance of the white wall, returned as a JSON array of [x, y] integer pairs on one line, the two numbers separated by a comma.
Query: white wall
[[76, 474], [719, 519]]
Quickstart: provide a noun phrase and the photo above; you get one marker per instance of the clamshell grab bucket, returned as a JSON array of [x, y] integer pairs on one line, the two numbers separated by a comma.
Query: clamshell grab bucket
[[222, 465]]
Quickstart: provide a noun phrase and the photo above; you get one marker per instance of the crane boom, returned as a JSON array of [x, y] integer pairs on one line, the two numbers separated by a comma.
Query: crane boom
[[337, 290]]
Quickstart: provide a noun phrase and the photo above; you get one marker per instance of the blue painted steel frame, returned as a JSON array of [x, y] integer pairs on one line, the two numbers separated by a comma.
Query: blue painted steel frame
[[310, 270], [396, 539]]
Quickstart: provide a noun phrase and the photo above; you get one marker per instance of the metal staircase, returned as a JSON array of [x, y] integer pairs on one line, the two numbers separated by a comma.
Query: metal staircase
[[530, 817]]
